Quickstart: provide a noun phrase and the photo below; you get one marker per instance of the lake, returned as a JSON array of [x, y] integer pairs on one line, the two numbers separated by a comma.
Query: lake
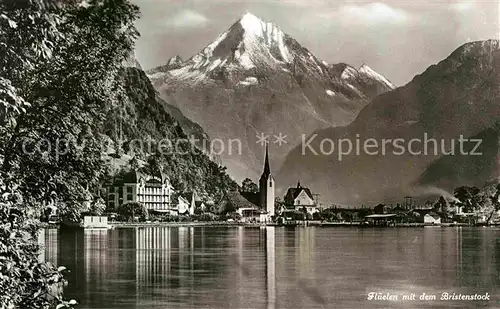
[[277, 267]]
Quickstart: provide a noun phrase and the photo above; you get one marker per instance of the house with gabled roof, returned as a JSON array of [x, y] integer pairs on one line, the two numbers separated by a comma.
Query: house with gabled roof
[[299, 198]]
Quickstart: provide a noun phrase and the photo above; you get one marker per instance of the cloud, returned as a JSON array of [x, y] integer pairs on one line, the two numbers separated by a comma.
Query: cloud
[[187, 19], [462, 6], [368, 14], [302, 3]]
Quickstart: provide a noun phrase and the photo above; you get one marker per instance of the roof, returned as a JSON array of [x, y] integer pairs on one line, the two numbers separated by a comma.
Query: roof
[[398, 208], [242, 200], [423, 211], [126, 177], [252, 197], [133, 176], [380, 216], [292, 193], [433, 214]]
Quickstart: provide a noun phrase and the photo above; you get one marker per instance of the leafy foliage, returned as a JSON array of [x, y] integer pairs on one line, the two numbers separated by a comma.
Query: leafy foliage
[[468, 196], [130, 210], [249, 186], [24, 281], [57, 75]]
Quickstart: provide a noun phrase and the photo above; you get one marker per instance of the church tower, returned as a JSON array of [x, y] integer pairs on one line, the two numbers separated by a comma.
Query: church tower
[[267, 187]]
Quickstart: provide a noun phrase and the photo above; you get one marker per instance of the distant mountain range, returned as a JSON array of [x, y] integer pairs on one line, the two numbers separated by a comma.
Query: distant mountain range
[[458, 96], [253, 79]]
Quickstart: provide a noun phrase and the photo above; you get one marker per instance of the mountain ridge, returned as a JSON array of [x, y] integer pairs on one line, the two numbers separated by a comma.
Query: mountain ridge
[[454, 97]]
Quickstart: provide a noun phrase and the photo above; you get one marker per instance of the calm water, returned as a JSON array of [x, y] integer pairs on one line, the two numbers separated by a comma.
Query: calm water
[[205, 267]]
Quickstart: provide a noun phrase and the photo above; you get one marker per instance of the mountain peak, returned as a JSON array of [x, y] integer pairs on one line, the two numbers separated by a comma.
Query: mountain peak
[[249, 17], [175, 61], [252, 24]]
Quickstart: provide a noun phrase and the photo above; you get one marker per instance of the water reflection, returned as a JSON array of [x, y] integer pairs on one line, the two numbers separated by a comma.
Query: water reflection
[[193, 267]]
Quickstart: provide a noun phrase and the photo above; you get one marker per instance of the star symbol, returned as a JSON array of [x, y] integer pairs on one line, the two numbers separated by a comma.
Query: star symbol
[[262, 138], [280, 139]]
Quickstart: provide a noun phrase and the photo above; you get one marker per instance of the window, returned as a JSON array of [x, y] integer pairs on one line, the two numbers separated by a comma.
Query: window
[[129, 197], [111, 189], [111, 197], [270, 184], [129, 189]]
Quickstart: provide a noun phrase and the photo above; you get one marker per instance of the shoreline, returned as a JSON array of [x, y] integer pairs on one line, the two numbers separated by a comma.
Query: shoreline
[[118, 225], [182, 224], [301, 224]]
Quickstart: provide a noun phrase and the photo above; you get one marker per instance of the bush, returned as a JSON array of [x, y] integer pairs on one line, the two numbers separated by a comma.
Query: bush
[[206, 217], [24, 281], [318, 216], [232, 215], [130, 210]]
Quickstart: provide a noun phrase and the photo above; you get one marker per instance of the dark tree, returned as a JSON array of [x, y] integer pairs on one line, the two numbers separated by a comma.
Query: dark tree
[[249, 186], [467, 197]]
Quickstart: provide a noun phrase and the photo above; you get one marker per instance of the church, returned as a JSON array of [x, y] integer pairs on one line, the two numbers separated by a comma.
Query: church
[[257, 207]]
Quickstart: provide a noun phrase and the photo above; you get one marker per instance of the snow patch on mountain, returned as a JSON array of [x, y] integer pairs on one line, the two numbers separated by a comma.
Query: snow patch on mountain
[[249, 81], [174, 61], [349, 72], [369, 72], [330, 93]]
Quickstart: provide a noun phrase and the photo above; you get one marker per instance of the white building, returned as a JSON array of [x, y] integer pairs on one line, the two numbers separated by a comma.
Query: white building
[[184, 206], [154, 192], [432, 218]]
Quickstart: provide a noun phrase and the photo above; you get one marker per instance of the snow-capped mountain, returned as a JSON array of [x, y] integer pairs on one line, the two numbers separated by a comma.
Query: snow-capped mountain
[[364, 78], [255, 78], [250, 43]]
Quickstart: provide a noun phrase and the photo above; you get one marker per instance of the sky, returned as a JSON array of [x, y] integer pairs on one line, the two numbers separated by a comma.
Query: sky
[[398, 39]]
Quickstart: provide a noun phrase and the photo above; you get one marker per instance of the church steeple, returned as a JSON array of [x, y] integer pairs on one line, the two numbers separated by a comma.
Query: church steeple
[[267, 168], [267, 187]]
